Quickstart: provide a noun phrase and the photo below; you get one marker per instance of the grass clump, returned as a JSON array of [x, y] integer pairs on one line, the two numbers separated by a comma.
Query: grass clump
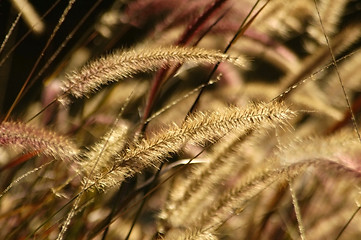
[[119, 130]]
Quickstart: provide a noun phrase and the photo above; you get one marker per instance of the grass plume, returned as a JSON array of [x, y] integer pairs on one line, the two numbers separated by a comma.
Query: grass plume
[[124, 64], [198, 128], [236, 198], [31, 138], [149, 158]]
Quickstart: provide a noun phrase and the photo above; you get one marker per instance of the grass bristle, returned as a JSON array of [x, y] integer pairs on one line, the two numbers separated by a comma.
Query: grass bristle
[[180, 119]]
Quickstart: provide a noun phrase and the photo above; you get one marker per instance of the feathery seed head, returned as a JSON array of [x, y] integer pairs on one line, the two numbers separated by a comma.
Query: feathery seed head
[[199, 127], [26, 136], [124, 64]]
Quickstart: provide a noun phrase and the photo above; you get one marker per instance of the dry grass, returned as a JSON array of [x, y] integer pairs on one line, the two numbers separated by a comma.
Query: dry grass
[[113, 127]]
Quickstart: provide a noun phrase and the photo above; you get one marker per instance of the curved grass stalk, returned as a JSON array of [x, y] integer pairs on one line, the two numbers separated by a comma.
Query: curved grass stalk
[[57, 27], [124, 64], [26, 136], [198, 128], [16, 181], [237, 197]]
